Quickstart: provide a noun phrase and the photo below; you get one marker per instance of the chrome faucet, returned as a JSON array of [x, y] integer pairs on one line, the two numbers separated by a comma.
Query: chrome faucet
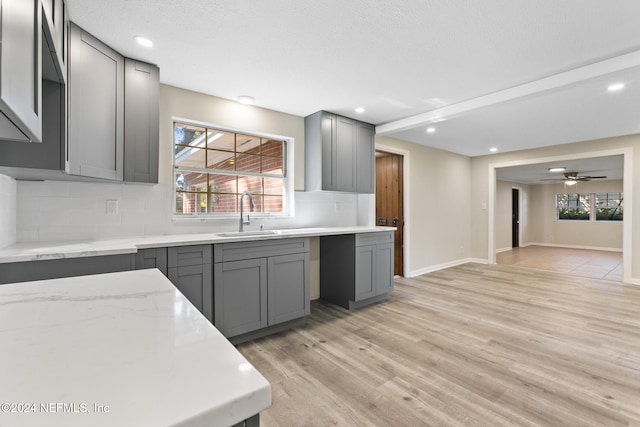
[[242, 223]]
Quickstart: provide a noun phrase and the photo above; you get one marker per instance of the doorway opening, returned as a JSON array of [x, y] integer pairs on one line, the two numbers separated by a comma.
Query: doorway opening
[[390, 201], [515, 218], [627, 189]]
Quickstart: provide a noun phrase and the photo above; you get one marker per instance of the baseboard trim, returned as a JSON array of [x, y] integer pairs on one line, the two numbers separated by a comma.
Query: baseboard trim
[[592, 248], [442, 266], [503, 250]]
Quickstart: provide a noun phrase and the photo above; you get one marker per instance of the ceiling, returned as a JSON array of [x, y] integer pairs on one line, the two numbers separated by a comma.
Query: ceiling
[[610, 166], [496, 73]]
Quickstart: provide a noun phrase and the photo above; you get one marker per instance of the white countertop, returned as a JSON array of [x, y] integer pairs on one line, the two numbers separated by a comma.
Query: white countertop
[[128, 344], [36, 251]]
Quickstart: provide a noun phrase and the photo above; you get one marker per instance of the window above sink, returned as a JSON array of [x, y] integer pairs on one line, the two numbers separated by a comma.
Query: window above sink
[[214, 165]]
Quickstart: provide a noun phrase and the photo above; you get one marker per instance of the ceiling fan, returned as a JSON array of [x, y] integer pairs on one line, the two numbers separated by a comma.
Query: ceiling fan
[[573, 177]]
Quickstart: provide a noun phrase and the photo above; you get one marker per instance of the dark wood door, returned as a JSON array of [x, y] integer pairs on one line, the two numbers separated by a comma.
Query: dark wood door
[[389, 196], [515, 217]]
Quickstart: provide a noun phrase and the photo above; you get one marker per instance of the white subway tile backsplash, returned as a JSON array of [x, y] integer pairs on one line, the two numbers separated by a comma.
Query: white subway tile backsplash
[[8, 211], [67, 232], [48, 211]]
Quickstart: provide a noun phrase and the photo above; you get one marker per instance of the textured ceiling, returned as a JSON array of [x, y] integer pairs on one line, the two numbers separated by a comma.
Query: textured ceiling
[[398, 59]]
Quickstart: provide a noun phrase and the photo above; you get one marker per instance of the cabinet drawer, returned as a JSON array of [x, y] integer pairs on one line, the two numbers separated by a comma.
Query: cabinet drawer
[[364, 239], [259, 249], [181, 256]]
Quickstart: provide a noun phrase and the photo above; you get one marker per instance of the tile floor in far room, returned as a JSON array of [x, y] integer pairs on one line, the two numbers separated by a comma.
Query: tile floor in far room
[[581, 262]]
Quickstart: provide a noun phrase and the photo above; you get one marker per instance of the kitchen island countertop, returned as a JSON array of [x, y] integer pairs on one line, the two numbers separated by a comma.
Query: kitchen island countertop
[[123, 349]]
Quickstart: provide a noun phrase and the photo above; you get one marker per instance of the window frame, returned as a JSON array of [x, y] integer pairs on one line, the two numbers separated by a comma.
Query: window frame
[[288, 207], [592, 208]]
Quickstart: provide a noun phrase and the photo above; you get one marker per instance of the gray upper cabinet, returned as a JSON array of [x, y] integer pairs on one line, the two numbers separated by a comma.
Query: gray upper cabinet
[[141, 119], [55, 27], [96, 108], [21, 70], [339, 154]]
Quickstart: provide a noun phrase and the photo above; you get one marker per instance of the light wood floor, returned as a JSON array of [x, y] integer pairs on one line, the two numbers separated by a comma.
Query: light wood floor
[[581, 262], [473, 345]]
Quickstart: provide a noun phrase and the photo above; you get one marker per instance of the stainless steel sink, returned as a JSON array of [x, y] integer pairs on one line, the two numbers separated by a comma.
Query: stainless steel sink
[[247, 233]]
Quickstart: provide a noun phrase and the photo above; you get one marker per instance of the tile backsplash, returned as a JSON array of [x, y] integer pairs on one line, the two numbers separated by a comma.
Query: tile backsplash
[[52, 211], [8, 195]]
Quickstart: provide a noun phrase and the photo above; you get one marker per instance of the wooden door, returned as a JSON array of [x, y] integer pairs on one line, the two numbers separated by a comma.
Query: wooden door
[[389, 197]]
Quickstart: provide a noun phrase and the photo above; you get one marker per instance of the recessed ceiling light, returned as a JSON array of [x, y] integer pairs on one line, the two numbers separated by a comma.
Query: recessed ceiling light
[[493, 149], [431, 130], [143, 41], [246, 99], [559, 169], [359, 110], [615, 87]]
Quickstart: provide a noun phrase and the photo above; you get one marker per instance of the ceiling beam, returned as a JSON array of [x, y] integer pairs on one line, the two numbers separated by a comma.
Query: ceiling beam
[[556, 81]]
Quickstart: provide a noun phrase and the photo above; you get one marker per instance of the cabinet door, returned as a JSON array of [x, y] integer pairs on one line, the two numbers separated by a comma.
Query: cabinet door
[[288, 282], [196, 284], [365, 280], [240, 296], [384, 268], [141, 121], [55, 27], [152, 258], [96, 106], [329, 152], [190, 270], [345, 159], [21, 70], [365, 158]]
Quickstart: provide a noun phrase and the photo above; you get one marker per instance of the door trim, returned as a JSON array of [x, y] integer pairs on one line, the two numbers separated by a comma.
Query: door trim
[[406, 250], [627, 189]]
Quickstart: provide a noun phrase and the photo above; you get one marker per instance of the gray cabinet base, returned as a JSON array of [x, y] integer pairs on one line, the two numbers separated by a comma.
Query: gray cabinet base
[[353, 305], [249, 422], [280, 327]]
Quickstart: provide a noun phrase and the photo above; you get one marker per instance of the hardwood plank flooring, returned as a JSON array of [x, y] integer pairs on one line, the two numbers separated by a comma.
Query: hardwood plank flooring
[[473, 345], [581, 262]]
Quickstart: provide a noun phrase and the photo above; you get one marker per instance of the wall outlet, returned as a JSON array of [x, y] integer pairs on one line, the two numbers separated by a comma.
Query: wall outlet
[[112, 207]]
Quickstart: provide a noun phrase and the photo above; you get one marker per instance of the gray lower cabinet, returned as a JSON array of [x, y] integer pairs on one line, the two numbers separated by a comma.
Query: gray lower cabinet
[[67, 267], [356, 269], [152, 258], [190, 269], [261, 286]]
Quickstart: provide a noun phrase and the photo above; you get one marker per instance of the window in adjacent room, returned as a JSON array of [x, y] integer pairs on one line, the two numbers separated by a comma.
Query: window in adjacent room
[[609, 206], [590, 206], [214, 166]]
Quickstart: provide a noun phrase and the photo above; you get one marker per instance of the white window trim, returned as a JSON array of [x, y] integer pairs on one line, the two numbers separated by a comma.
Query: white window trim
[[288, 199], [592, 210]]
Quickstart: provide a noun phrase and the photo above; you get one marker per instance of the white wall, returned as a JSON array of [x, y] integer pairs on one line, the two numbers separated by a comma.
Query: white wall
[[49, 211], [547, 230], [8, 195], [437, 215], [480, 188]]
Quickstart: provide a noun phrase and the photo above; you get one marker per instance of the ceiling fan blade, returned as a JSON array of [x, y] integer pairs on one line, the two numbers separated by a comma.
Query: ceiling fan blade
[[597, 177]]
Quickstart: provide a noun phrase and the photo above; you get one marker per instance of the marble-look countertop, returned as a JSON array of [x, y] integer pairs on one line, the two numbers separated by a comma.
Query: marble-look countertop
[[118, 349], [36, 251]]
